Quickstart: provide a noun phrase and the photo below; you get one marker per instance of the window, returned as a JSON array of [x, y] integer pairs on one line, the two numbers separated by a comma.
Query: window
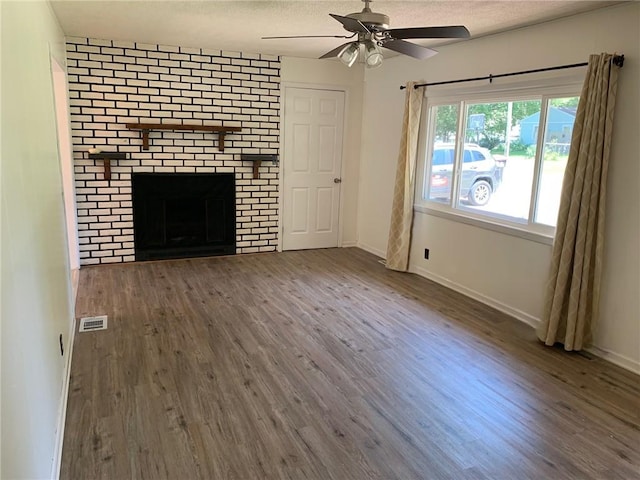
[[499, 159]]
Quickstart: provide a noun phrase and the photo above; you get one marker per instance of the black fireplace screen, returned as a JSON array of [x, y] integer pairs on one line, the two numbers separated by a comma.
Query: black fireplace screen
[[183, 215]]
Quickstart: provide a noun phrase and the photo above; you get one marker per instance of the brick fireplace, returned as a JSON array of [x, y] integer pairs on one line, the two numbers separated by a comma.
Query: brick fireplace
[[178, 215], [114, 83]]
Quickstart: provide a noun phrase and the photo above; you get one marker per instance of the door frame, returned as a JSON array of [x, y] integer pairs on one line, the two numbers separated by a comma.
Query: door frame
[[282, 171]]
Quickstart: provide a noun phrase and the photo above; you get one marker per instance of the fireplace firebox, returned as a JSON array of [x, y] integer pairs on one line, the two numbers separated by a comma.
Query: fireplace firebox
[[183, 215]]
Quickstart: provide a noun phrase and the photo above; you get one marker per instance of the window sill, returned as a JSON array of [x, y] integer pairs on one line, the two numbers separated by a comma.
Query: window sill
[[487, 224]]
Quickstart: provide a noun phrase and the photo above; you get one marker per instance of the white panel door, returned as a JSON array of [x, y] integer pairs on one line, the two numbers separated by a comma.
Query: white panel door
[[312, 159]]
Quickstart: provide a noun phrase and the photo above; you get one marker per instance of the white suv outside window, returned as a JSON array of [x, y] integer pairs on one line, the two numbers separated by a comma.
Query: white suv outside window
[[480, 173]]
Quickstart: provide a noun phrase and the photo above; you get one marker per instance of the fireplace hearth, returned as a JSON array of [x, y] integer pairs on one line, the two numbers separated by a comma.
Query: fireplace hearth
[[183, 215]]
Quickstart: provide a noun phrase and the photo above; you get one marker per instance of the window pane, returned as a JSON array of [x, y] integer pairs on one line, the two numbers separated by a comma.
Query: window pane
[[561, 115], [501, 137], [441, 165]]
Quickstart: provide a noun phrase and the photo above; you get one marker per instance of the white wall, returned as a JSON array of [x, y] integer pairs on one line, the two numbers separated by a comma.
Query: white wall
[[65, 149], [508, 272], [331, 73], [36, 293]]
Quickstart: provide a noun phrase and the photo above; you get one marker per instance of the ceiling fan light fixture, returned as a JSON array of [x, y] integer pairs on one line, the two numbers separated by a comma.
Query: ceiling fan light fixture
[[349, 54], [373, 56]]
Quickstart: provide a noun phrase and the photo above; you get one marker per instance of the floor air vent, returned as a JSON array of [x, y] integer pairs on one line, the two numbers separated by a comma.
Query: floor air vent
[[89, 324]]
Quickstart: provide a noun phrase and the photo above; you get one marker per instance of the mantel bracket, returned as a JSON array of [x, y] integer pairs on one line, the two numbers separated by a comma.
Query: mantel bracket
[[145, 139]]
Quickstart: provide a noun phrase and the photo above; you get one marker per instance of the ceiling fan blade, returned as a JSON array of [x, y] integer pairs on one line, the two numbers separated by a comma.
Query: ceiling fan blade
[[408, 48], [310, 36], [335, 51], [351, 24], [453, 31]]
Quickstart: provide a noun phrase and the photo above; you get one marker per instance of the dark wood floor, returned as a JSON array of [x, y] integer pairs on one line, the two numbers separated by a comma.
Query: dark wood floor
[[324, 365]]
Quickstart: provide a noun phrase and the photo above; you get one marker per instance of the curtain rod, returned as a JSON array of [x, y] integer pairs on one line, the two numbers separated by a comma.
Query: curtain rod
[[617, 60]]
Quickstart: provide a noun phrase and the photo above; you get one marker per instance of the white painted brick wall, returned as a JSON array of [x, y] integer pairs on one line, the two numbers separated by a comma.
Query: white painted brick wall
[[112, 83]]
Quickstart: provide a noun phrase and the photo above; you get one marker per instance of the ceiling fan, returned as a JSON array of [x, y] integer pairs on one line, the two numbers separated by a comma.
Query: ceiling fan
[[372, 32]]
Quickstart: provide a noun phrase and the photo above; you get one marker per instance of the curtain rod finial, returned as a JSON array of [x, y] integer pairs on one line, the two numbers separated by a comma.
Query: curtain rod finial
[[618, 60]]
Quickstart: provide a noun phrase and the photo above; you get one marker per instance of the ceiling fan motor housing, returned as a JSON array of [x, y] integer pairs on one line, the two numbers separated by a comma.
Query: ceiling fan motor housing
[[372, 20]]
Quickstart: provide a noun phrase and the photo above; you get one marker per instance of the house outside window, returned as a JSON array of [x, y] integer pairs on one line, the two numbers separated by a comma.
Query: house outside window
[[498, 159]]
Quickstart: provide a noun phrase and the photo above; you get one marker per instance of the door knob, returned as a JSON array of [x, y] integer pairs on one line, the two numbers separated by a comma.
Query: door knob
[[337, 180]]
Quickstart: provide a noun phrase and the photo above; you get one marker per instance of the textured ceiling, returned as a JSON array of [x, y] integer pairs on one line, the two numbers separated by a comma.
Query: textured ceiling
[[238, 25]]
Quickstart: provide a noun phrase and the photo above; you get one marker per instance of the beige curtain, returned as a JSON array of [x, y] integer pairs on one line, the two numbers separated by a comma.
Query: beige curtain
[[402, 208], [574, 284]]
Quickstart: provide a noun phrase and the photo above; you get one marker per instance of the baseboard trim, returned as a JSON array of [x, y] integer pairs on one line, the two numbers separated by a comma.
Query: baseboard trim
[[514, 312], [62, 413], [615, 358], [349, 244], [370, 249]]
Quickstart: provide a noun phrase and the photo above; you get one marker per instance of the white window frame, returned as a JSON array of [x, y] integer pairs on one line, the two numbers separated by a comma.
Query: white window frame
[[544, 90]]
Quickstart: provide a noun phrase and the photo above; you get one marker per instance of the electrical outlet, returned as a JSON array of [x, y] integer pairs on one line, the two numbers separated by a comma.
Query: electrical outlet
[[61, 346], [426, 254]]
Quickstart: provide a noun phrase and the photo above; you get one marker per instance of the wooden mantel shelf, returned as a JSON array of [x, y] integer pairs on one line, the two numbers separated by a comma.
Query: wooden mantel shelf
[[107, 157], [257, 160], [145, 127]]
